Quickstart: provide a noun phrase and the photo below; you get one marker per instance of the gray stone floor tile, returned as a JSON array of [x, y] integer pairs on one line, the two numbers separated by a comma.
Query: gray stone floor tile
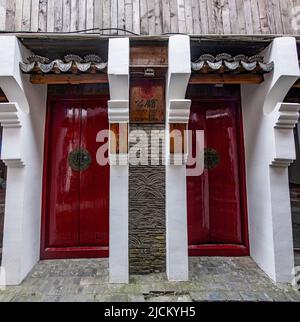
[[211, 279]]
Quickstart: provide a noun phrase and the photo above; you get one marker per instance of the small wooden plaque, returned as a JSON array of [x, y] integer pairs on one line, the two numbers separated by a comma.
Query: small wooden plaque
[[147, 101]]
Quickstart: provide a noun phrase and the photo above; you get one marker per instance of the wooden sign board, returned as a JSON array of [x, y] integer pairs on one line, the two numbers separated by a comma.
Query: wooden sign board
[[149, 55], [147, 101]]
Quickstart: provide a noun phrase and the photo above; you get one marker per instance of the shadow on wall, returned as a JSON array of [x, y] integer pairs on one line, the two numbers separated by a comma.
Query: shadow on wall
[[2, 185], [294, 177], [2, 197]]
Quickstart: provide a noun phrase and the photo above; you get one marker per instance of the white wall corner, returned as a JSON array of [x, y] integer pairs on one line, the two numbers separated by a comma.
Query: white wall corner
[[118, 112], [14, 84], [118, 68], [180, 67], [178, 108], [23, 121], [284, 119], [178, 111], [269, 150], [118, 74], [283, 52]]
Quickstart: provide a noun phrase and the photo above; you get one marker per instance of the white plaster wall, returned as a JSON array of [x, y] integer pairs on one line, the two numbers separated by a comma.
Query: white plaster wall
[[118, 242], [176, 224], [22, 225], [269, 212], [118, 73], [176, 207]]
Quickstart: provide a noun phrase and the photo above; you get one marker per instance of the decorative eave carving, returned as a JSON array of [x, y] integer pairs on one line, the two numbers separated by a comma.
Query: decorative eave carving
[[118, 111], [225, 63], [118, 115], [178, 117], [288, 116], [179, 111], [10, 120], [14, 163], [9, 115], [285, 117], [70, 64], [282, 163]]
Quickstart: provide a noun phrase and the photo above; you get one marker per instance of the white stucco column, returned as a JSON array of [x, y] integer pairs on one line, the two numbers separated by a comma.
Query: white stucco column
[[118, 73], [178, 110], [270, 149], [23, 121]]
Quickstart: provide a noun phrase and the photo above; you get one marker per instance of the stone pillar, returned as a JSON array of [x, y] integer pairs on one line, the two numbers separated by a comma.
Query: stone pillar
[[270, 149], [178, 109], [118, 73], [23, 121]]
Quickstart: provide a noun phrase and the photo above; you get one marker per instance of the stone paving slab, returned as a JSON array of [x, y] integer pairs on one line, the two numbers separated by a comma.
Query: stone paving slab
[[211, 279]]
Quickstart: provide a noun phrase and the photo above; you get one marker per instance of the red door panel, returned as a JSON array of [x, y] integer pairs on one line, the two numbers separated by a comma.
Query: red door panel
[[63, 203], [197, 189], [76, 203], [216, 218], [94, 181]]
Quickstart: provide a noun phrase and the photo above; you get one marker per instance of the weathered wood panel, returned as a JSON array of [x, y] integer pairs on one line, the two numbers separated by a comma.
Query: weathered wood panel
[[152, 17], [147, 101]]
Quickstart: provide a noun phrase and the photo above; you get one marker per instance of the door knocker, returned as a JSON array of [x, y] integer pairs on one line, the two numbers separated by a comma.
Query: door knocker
[[211, 158], [80, 159]]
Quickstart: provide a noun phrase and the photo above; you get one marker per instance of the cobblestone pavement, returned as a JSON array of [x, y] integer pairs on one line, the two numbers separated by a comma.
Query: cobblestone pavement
[[211, 279]]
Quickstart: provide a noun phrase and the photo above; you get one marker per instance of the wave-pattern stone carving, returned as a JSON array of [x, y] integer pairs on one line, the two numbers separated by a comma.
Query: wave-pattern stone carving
[[147, 230]]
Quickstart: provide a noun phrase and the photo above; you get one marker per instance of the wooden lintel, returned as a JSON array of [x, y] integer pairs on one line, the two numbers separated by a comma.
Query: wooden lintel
[[69, 79], [226, 79]]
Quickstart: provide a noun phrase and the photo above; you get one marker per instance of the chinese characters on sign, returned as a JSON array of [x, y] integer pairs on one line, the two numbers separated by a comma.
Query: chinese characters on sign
[[147, 101]]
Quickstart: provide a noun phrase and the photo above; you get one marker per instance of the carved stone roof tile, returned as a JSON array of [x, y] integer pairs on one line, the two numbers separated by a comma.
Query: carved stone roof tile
[[226, 63], [35, 64]]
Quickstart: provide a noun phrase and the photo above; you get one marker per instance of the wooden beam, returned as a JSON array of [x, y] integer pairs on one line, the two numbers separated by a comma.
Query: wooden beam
[[3, 98], [139, 71], [226, 79], [69, 79], [297, 84]]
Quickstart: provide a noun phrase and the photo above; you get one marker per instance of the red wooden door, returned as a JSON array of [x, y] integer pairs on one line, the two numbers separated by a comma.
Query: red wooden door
[[76, 200], [217, 221]]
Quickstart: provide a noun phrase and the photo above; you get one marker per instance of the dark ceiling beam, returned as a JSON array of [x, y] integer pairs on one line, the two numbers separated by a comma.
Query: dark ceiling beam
[[226, 79], [69, 79]]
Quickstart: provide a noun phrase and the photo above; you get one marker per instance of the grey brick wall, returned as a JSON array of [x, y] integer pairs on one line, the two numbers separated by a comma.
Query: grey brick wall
[[147, 230]]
